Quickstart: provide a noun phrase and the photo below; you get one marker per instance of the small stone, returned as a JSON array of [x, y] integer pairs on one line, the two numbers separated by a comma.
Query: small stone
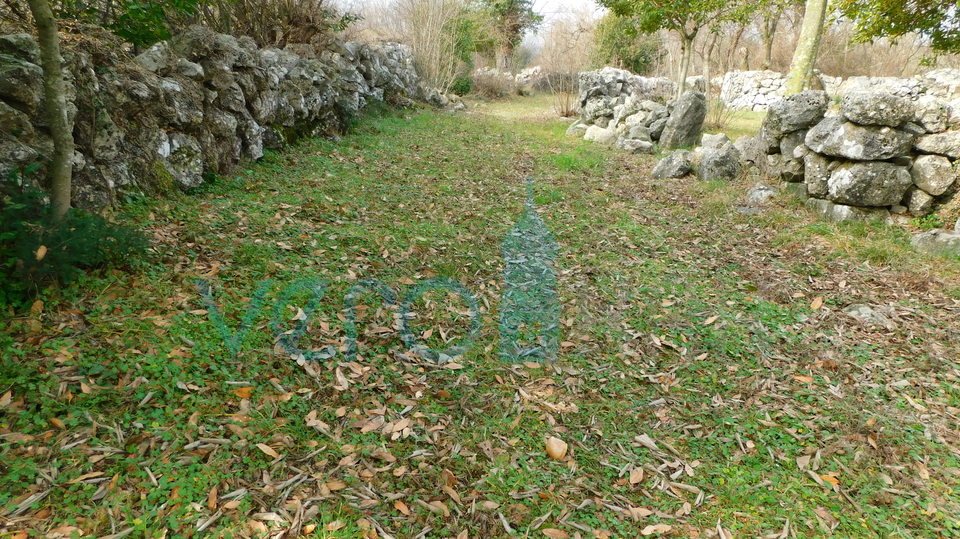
[[868, 316], [760, 194]]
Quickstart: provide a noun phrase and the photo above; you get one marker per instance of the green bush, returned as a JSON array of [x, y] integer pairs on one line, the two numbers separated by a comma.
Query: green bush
[[35, 250], [620, 44], [461, 85]]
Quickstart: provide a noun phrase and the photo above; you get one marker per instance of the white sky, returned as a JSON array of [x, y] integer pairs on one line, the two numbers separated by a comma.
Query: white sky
[[550, 8]]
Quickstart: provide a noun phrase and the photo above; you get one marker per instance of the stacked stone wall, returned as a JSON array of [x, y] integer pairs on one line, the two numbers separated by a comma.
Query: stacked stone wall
[[757, 90], [190, 107], [634, 112], [878, 154]]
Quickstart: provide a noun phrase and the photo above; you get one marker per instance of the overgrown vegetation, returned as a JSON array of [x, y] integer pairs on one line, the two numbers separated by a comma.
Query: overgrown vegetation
[[36, 249], [271, 23], [709, 377], [620, 43]]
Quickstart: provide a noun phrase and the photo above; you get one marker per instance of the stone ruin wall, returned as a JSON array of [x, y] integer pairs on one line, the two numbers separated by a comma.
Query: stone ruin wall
[[756, 90], [184, 109], [877, 154], [633, 112]]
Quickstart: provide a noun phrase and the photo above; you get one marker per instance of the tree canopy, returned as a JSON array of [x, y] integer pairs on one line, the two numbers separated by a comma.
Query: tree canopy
[[686, 17], [511, 19], [937, 20]]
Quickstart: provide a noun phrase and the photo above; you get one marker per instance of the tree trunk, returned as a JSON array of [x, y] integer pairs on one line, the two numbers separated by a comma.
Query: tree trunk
[[504, 57], [770, 22], [805, 55], [55, 102], [734, 49], [686, 48], [707, 58]]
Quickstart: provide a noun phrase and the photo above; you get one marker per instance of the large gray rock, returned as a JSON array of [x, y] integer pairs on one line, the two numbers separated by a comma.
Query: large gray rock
[[22, 46], [686, 120], [183, 160], [937, 242], [714, 141], [947, 143], [933, 173], [792, 170], [639, 132], [656, 128], [633, 145], [794, 113], [673, 165], [719, 164], [833, 136], [839, 212], [874, 183], [876, 108], [816, 174], [918, 202], [932, 114], [600, 134], [751, 151], [791, 141], [21, 83], [157, 59], [600, 107]]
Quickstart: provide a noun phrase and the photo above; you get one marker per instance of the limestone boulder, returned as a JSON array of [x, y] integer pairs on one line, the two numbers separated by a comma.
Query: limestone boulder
[[937, 242], [190, 70], [791, 141], [599, 134], [840, 212], [933, 173], [685, 121], [158, 58], [839, 138], [21, 46], [577, 129], [947, 143], [21, 83], [633, 145], [918, 202], [656, 128], [673, 165], [714, 141], [792, 170], [874, 183], [183, 159], [816, 175], [876, 108], [760, 194], [751, 150], [719, 164], [932, 114], [796, 112]]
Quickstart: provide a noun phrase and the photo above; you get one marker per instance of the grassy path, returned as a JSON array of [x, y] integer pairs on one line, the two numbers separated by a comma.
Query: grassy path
[[708, 376]]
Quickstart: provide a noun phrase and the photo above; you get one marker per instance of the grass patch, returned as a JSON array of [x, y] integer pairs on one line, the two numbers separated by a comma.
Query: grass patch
[[707, 370]]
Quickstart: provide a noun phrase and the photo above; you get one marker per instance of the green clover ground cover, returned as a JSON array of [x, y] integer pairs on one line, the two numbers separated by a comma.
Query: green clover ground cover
[[708, 378]]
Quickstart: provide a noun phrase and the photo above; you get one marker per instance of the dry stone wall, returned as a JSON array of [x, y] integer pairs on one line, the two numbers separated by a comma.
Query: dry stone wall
[[195, 105], [757, 90], [634, 112], [879, 153]]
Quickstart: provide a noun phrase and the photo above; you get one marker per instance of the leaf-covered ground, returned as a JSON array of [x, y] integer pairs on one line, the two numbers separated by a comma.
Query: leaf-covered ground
[[710, 383]]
